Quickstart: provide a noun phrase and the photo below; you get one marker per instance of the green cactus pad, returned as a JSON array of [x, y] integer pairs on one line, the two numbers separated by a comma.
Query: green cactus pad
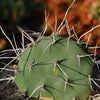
[[53, 69]]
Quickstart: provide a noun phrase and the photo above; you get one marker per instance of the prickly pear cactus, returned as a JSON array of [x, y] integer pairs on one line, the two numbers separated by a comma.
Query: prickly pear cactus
[[54, 69]]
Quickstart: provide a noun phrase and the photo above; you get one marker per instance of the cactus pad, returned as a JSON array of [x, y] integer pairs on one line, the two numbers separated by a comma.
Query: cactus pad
[[53, 69]]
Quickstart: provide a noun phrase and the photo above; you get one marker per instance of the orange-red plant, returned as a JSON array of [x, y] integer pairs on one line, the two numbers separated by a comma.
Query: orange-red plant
[[78, 16]]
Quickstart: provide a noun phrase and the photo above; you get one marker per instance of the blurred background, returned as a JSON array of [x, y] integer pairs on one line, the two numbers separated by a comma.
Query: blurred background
[[30, 15]]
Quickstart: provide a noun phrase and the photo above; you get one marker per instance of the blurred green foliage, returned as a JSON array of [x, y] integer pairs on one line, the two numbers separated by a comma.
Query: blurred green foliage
[[11, 10], [17, 12], [97, 12]]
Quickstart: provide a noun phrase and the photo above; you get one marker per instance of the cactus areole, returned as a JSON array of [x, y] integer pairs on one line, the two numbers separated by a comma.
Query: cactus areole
[[55, 68]]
